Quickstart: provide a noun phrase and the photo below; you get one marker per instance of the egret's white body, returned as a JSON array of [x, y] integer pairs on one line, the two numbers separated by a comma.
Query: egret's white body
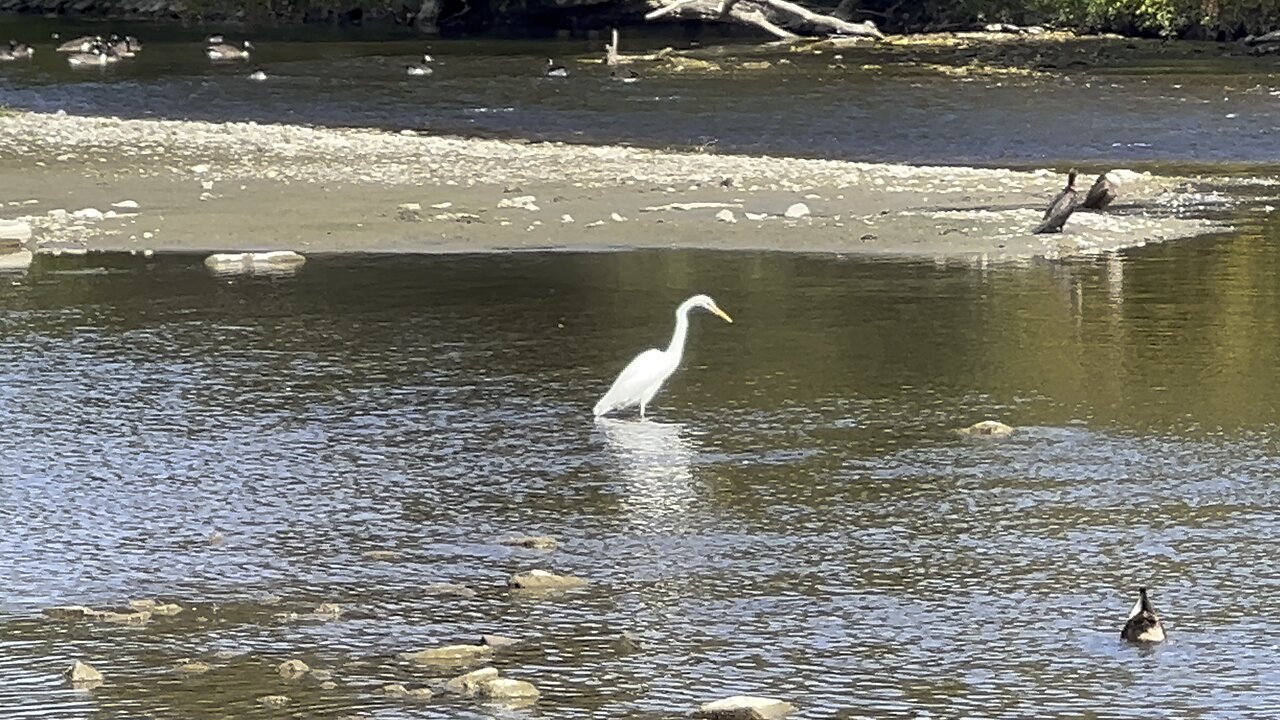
[[641, 379]]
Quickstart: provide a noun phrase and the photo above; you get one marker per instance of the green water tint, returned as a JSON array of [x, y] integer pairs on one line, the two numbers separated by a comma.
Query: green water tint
[[800, 520]]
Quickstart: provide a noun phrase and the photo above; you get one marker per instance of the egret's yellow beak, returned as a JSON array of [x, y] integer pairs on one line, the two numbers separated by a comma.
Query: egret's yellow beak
[[723, 315]]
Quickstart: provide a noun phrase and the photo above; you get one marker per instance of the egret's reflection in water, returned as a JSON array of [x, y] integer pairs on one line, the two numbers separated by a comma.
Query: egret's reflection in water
[[655, 461]]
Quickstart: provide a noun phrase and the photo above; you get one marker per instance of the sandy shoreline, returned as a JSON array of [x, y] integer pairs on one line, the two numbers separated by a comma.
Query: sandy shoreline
[[207, 187]]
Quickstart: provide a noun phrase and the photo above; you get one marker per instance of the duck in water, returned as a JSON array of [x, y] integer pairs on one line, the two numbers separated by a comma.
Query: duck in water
[[17, 51], [224, 51], [624, 76], [82, 44], [1144, 624], [1101, 194], [556, 71], [422, 69], [1064, 203]]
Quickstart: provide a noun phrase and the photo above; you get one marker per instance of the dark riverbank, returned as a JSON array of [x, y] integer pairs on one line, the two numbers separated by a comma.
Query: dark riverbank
[[1187, 19]]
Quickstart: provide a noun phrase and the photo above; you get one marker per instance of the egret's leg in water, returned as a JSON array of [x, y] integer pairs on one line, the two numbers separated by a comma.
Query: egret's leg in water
[[641, 409]]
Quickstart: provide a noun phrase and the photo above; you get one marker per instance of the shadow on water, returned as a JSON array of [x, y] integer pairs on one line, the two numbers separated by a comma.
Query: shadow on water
[[799, 518]]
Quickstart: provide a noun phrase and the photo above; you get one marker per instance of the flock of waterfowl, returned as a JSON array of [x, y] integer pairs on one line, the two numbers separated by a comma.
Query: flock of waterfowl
[[95, 50], [1068, 201]]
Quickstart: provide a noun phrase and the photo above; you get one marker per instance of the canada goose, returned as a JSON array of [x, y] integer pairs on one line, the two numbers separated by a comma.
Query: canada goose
[[223, 51], [626, 76], [422, 69], [1102, 193], [16, 51], [1064, 203], [556, 71], [1144, 624], [82, 44], [258, 75], [126, 47], [97, 56]]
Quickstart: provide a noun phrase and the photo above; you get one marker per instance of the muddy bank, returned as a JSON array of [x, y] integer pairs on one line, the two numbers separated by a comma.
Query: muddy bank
[[242, 186]]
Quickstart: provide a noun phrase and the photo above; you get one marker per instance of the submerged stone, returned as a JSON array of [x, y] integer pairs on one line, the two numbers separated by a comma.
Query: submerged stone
[[274, 700], [83, 675], [292, 669], [468, 684], [543, 580], [187, 666], [987, 428], [744, 707], [449, 589], [69, 612], [533, 542], [507, 689], [450, 655], [497, 641]]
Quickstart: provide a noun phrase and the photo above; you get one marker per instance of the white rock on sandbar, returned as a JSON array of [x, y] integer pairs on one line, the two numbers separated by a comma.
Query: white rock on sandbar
[[798, 210]]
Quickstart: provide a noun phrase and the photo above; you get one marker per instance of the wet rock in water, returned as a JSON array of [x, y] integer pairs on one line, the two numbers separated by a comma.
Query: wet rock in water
[[250, 262], [453, 589], [83, 675], [409, 212], [523, 202], [155, 608], [16, 260], [125, 205], [321, 675], [726, 216], [384, 555], [987, 428], [274, 700], [497, 641], [118, 618], [468, 684], [216, 538], [87, 214], [69, 612], [627, 642], [507, 689], [543, 580], [330, 611], [293, 669], [187, 666], [797, 210], [450, 655], [328, 685], [533, 542], [397, 690], [744, 707], [229, 654]]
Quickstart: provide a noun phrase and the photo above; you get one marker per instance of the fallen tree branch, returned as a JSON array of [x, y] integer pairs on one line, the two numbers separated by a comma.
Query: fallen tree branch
[[780, 18]]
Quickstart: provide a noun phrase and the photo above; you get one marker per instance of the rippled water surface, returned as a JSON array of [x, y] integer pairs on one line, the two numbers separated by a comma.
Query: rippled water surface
[[1101, 110], [797, 519]]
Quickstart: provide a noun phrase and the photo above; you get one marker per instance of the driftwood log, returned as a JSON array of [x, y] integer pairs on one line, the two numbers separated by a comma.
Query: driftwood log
[[780, 18]]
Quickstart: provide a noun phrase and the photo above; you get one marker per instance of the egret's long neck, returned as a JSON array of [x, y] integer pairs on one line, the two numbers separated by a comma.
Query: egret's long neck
[[676, 348]]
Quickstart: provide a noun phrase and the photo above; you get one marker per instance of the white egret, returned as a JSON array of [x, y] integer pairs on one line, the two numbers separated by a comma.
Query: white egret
[[644, 376]]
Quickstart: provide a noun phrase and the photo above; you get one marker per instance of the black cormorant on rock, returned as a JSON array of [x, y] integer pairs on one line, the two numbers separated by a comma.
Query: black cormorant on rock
[[1064, 203], [1101, 194], [1144, 624]]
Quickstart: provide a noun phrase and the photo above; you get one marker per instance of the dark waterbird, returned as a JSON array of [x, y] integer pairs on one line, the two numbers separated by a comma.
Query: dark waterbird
[[1101, 194], [1144, 624], [1064, 203]]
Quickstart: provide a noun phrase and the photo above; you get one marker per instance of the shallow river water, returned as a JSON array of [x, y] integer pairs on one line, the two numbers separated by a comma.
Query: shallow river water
[[1136, 110], [797, 519]]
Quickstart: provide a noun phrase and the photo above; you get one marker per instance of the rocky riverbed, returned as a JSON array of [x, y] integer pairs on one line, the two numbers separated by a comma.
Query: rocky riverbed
[[106, 184]]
